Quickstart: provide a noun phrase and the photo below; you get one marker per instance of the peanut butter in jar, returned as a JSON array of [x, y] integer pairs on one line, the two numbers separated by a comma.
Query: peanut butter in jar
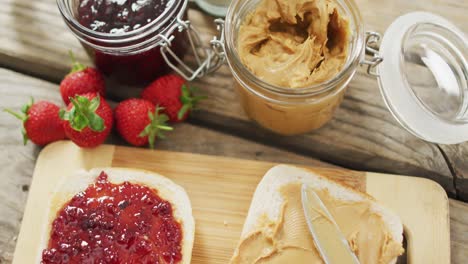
[[289, 118], [293, 59]]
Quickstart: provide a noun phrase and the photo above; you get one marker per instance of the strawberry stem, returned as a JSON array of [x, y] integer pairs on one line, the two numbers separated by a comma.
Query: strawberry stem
[[23, 116], [76, 65]]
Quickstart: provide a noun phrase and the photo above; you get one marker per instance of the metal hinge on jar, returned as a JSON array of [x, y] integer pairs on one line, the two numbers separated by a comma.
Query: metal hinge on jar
[[373, 57], [208, 59]]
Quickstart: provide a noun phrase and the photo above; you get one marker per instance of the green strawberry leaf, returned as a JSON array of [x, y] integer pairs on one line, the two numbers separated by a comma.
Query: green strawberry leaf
[[145, 131], [26, 107], [71, 113], [162, 118], [94, 104], [83, 101], [96, 123], [188, 101], [185, 108], [25, 136], [185, 98], [83, 114], [23, 116], [165, 128], [156, 126], [151, 139], [79, 122], [63, 114]]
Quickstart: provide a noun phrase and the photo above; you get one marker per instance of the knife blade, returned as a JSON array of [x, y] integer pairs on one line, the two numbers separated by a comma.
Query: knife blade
[[328, 238]]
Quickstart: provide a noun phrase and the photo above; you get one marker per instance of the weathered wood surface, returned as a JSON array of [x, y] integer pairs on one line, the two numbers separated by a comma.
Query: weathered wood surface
[[457, 158], [363, 135], [17, 161], [459, 231]]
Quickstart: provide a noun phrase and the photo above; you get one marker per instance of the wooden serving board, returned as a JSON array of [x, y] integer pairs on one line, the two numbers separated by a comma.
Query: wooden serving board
[[220, 190]]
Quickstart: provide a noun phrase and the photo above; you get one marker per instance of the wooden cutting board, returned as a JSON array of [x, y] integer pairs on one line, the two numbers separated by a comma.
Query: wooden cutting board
[[220, 190]]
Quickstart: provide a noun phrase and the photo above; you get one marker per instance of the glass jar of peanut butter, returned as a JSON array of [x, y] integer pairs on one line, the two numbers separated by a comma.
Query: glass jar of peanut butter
[[292, 60]]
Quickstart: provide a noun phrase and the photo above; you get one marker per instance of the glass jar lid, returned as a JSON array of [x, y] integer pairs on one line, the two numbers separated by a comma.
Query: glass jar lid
[[423, 77]]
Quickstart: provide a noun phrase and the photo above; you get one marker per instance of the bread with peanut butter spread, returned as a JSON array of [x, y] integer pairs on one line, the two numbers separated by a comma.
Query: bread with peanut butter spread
[[275, 230], [154, 213]]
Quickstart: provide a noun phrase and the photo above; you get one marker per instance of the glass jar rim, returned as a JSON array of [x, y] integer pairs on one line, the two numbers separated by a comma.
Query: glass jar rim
[[155, 25], [351, 63]]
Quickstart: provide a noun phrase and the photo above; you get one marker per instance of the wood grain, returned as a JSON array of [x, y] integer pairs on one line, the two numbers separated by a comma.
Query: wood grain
[[29, 239], [17, 161], [363, 135], [423, 211], [459, 231], [16, 90], [221, 189], [34, 40], [456, 157], [203, 177]]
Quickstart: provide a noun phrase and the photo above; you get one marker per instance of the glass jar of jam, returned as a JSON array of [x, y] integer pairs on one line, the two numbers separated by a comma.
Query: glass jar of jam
[[134, 41]]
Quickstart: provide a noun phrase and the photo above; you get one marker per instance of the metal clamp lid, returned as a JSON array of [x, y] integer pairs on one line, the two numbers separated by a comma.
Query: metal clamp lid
[[208, 59], [372, 50]]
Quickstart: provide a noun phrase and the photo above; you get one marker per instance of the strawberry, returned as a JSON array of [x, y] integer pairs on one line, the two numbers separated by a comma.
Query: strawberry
[[81, 80], [139, 122], [171, 93], [88, 120], [41, 122]]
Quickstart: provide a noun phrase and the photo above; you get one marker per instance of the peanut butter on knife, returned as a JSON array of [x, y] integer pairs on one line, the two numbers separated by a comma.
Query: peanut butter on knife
[[288, 240]]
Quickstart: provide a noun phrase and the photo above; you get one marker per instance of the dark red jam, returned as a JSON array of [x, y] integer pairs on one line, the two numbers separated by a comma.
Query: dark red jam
[[110, 223], [118, 17]]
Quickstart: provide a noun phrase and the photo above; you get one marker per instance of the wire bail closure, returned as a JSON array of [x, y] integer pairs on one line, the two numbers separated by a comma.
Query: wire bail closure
[[372, 50], [208, 59]]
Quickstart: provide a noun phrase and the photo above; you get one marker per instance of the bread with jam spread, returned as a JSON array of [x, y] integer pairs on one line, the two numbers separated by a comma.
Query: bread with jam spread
[[118, 215]]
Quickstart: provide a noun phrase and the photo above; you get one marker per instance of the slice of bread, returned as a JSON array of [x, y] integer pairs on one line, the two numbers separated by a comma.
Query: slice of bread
[[166, 189], [267, 200]]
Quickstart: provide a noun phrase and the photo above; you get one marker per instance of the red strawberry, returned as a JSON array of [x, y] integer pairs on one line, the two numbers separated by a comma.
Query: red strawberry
[[41, 122], [139, 122], [171, 93], [81, 80], [88, 120]]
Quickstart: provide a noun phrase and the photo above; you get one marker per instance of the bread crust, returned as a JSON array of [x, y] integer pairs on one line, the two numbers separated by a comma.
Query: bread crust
[[267, 200]]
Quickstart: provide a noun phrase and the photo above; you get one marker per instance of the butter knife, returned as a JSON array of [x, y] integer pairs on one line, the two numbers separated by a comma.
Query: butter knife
[[328, 238]]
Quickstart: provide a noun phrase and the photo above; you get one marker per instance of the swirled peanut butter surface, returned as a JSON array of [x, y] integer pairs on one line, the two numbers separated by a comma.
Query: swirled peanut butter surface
[[294, 43], [288, 240]]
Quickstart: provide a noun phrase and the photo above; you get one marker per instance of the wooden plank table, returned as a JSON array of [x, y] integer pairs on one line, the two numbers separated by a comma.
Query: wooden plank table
[[33, 52], [363, 135]]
